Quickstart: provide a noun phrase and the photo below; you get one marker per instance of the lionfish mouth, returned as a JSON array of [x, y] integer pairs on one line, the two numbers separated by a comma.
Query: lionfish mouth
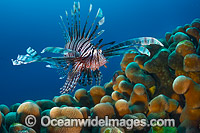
[[81, 58]]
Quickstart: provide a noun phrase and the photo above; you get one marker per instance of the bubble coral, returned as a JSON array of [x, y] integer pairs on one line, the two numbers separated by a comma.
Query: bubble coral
[[178, 29], [10, 118], [160, 106], [131, 127], [103, 109], [194, 33], [97, 92], [116, 82], [17, 128], [29, 108], [116, 96], [45, 104], [190, 114], [4, 109], [187, 26], [158, 129], [127, 58], [185, 47], [140, 116], [80, 93], [67, 113], [85, 111], [191, 63], [177, 58], [126, 87], [137, 126], [2, 123], [180, 36], [139, 98], [14, 107], [82, 96], [167, 36], [141, 59], [1, 119], [116, 74], [154, 49], [65, 99], [108, 87], [137, 75], [111, 130], [122, 107], [106, 99], [191, 90], [196, 23]]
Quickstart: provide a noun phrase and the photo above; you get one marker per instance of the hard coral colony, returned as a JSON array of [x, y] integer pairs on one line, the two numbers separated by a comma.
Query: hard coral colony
[[163, 81], [81, 53]]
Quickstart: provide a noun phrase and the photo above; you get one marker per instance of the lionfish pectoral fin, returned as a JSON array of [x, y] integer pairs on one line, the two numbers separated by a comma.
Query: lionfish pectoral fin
[[58, 50], [136, 43], [30, 57], [150, 40], [144, 50]]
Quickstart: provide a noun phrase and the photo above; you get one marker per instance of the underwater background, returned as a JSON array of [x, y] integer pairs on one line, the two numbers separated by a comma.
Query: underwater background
[[35, 23]]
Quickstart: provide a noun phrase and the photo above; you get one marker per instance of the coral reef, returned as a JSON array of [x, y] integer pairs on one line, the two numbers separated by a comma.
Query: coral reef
[[97, 92], [103, 109], [164, 85], [137, 75], [161, 106], [4, 109], [65, 112], [190, 116], [0, 119], [128, 58], [139, 99], [29, 108], [17, 128], [122, 107], [10, 118]]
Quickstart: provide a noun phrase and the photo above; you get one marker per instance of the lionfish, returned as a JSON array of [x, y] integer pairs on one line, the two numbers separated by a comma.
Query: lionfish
[[81, 58]]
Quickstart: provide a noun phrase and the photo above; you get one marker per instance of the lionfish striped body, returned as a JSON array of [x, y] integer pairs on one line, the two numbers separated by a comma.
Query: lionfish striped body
[[82, 59]]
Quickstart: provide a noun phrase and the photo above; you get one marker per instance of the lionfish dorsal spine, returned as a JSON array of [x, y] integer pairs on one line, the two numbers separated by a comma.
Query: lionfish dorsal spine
[[98, 15], [64, 30], [75, 7], [79, 19], [84, 29]]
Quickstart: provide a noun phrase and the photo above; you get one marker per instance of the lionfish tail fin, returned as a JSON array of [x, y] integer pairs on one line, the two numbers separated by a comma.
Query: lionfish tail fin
[[136, 43], [30, 57]]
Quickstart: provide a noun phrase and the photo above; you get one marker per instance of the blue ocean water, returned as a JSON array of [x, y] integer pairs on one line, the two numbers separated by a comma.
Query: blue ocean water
[[34, 23]]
